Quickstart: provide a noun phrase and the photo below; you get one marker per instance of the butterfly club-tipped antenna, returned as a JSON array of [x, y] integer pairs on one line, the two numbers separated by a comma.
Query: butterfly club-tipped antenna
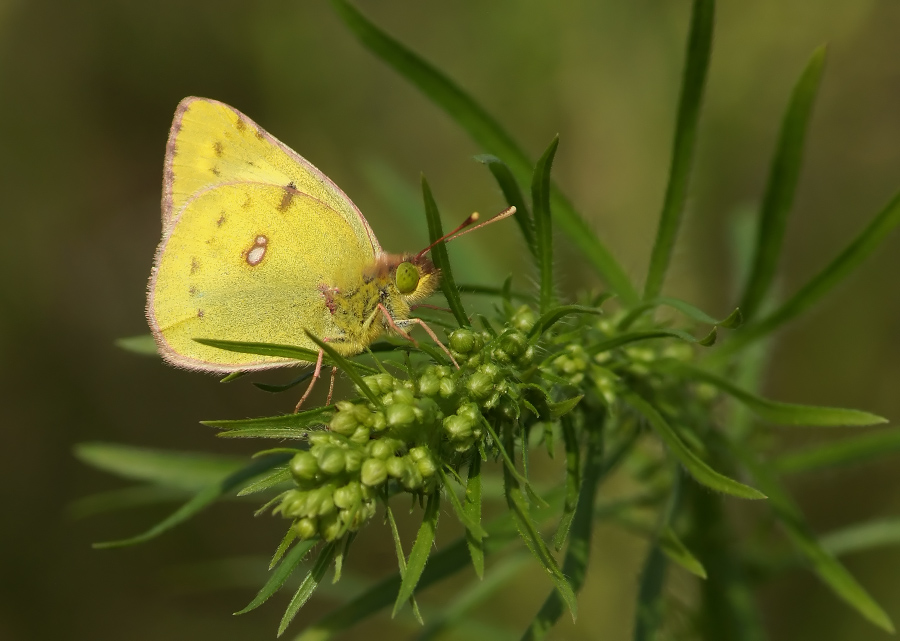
[[464, 228]]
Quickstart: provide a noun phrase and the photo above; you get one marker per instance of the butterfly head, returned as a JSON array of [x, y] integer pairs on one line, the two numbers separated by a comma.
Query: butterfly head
[[414, 276]]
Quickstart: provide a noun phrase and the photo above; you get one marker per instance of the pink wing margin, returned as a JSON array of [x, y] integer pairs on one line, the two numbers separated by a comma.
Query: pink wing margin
[[168, 215]]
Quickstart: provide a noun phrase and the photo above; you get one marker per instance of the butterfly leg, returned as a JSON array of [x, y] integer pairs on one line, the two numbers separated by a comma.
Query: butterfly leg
[[331, 385], [406, 335], [316, 374]]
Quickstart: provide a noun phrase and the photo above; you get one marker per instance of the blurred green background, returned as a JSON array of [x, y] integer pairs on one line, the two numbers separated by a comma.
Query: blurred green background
[[87, 93]]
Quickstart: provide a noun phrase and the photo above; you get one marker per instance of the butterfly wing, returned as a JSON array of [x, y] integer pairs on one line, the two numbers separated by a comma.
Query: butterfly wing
[[252, 233], [248, 262], [212, 144]]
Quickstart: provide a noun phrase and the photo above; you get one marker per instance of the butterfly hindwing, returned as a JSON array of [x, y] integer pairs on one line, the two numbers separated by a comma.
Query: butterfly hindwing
[[247, 262]]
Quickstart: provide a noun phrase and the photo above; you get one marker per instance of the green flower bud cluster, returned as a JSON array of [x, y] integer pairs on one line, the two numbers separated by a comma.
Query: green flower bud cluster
[[341, 474], [474, 349], [463, 429], [571, 364], [330, 498], [417, 426]]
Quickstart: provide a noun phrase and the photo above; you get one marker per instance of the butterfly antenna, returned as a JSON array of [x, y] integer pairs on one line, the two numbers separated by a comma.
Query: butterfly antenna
[[462, 231]]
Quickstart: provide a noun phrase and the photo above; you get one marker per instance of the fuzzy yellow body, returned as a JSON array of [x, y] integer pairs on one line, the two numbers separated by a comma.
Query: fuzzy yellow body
[[258, 246]]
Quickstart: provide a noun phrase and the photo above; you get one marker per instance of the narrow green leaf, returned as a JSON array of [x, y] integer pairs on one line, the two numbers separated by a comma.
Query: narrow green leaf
[[232, 377], [636, 337], [732, 321], [280, 575], [440, 257], [309, 585], [289, 537], [824, 565], [782, 413], [300, 354], [474, 528], [486, 132], [267, 481], [673, 548], [648, 612], [401, 559], [695, 66], [528, 529], [844, 452], [701, 472], [289, 426], [573, 483], [543, 230], [546, 408], [124, 498], [345, 365], [472, 508], [555, 314], [783, 176], [510, 188], [144, 344], [822, 283], [202, 499], [476, 593], [862, 536], [342, 551], [283, 387], [509, 465], [575, 563], [493, 291], [442, 564], [710, 339], [184, 470], [421, 549]]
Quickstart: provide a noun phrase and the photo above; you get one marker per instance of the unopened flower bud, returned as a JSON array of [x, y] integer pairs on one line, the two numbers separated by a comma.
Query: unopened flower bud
[[426, 467], [306, 528], [353, 460], [343, 422], [330, 526], [304, 466], [331, 460], [373, 472], [480, 385], [458, 427], [399, 415], [447, 387], [379, 383], [524, 319], [348, 495], [429, 385], [361, 435]]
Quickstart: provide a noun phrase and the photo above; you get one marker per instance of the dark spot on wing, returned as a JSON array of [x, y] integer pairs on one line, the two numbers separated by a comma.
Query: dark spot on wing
[[260, 134], [218, 148], [257, 251], [240, 125], [215, 170], [286, 199], [221, 220], [199, 313], [195, 265]]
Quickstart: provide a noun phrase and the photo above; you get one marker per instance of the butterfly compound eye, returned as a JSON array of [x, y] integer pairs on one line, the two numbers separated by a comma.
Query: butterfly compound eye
[[407, 278]]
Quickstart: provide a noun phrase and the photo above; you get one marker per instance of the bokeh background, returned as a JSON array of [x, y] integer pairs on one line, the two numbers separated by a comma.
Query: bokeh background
[[87, 92]]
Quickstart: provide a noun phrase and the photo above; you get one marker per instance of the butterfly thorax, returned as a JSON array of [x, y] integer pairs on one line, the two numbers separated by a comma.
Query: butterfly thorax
[[361, 302]]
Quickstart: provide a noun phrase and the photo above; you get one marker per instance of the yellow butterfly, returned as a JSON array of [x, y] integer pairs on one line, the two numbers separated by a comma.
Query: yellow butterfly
[[258, 246]]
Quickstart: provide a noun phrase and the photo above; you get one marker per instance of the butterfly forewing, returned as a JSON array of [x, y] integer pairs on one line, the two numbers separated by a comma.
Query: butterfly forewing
[[213, 144]]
